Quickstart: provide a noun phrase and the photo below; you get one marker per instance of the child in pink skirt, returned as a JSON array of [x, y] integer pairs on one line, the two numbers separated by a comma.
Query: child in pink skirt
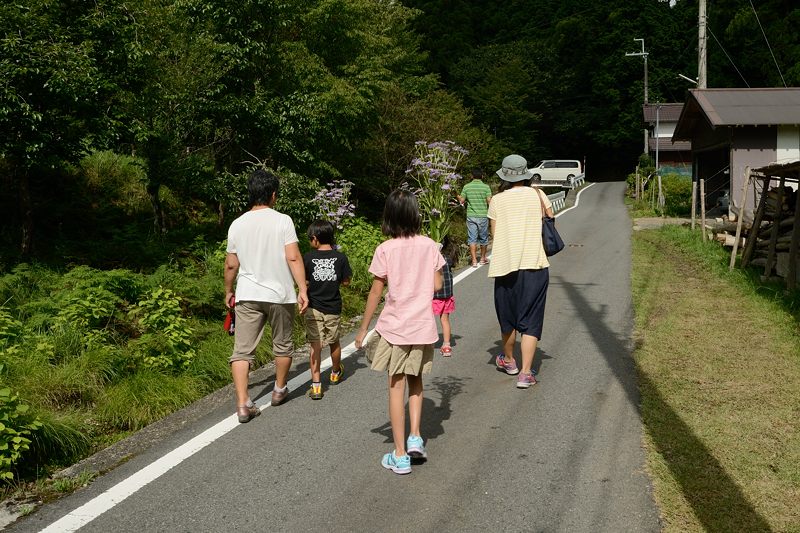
[[443, 301]]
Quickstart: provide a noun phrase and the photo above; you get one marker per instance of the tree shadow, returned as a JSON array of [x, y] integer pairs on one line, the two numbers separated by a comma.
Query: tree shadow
[[716, 499]]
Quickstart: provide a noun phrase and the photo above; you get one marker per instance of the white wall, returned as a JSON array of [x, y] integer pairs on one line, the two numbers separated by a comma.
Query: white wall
[[788, 146]]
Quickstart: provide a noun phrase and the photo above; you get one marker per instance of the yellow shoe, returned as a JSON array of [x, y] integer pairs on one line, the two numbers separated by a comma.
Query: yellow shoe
[[315, 392], [336, 377]]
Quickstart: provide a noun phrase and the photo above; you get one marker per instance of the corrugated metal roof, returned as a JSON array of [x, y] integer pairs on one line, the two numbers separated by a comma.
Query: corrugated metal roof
[[786, 169], [665, 144], [749, 107], [668, 112]]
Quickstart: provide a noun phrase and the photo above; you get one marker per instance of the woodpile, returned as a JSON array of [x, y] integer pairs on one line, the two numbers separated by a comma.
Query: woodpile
[[773, 236]]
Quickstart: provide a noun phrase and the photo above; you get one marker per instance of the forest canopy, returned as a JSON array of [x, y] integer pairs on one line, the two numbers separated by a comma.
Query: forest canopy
[[121, 120]]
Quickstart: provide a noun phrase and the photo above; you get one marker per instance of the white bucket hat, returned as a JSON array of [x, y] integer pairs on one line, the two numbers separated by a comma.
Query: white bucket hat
[[514, 169]]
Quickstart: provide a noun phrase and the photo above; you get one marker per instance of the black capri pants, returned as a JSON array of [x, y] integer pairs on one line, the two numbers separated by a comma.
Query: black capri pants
[[519, 299]]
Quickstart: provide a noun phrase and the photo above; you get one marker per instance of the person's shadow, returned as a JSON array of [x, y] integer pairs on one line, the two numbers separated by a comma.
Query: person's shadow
[[433, 416]]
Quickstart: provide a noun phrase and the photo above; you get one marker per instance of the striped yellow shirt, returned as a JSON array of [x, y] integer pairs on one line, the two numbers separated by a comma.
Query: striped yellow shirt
[[517, 240]]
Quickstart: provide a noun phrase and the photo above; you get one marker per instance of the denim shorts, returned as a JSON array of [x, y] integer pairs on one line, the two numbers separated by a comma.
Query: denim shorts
[[478, 230]]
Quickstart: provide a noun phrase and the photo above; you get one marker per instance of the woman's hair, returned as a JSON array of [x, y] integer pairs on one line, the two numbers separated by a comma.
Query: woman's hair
[[505, 185], [401, 216], [450, 251], [322, 230], [261, 185]]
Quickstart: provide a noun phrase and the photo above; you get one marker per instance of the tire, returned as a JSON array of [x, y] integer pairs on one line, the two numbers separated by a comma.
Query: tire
[[536, 177], [570, 177]]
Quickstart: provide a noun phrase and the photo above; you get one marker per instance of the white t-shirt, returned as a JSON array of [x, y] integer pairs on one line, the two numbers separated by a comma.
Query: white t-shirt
[[258, 238]]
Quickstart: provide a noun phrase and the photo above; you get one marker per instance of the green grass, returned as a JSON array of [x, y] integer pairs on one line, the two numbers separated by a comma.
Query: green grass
[[719, 364]]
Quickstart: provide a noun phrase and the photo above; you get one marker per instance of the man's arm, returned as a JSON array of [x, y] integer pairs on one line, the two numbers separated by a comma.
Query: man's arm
[[229, 273], [295, 261]]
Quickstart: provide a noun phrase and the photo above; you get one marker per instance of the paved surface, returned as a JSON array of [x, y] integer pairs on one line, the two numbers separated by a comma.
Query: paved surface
[[564, 455]]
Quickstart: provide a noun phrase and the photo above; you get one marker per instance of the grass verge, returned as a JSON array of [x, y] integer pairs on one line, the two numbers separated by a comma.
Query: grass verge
[[719, 366]]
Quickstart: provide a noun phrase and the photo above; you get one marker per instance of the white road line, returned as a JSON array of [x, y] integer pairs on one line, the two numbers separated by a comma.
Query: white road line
[[98, 505]]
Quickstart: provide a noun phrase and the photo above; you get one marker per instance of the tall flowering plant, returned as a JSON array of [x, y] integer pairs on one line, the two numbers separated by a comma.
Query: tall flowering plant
[[434, 173], [333, 202]]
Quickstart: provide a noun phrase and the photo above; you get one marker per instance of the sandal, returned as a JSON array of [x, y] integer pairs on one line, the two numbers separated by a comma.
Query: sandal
[[247, 413], [484, 261], [447, 351]]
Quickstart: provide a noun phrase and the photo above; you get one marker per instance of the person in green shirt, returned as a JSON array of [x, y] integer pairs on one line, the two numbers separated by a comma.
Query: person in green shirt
[[476, 195]]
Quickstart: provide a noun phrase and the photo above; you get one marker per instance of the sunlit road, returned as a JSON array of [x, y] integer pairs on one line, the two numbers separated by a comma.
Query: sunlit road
[[564, 455]]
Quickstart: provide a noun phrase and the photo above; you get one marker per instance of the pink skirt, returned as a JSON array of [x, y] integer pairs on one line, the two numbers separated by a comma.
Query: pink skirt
[[444, 307]]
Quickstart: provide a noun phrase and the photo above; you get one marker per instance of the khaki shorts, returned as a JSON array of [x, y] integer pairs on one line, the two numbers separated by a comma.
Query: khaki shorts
[[413, 359], [251, 317], [322, 327]]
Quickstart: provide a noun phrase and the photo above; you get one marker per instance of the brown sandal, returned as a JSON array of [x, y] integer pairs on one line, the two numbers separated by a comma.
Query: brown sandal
[[246, 414]]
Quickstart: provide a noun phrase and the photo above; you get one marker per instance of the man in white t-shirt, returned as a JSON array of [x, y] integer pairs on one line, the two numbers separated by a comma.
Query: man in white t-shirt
[[265, 261]]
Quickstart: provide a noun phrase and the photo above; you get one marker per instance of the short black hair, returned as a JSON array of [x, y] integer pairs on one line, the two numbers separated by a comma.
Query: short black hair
[[401, 217], [322, 230], [477, 173], [261, 185], [450, 251], [505, 185]]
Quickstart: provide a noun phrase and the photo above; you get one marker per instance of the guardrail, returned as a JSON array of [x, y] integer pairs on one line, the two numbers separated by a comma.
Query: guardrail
[[559, 200], [575, 182]]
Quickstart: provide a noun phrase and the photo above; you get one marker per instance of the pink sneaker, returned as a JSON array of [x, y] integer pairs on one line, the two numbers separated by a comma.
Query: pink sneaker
[[526, 380], [508, 368]]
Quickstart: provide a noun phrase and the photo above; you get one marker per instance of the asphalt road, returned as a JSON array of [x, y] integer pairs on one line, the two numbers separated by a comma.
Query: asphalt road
[[564, 455]]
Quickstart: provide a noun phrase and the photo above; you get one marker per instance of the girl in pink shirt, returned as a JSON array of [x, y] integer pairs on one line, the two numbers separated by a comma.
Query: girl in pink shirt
[[409, 264]]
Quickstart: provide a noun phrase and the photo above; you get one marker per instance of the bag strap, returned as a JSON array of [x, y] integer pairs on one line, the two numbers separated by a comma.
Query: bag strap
[[539, 194]]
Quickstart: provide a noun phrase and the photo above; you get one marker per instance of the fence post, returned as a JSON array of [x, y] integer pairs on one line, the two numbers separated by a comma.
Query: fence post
[[694, 202], [740, 219], [703, 208]]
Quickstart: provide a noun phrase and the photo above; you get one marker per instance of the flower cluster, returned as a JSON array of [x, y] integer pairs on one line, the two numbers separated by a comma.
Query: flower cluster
[[434, 173], [334, 203]]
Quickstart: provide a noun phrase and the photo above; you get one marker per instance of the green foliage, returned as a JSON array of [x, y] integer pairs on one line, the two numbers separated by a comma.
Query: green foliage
[[295, 198], [144, 397], [677, 195], [16, 428], [166, 340], [10, 328], [358, 241]]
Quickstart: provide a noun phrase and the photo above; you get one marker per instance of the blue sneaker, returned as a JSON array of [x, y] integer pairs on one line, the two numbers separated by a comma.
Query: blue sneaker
[[398, 465], [415, 447]]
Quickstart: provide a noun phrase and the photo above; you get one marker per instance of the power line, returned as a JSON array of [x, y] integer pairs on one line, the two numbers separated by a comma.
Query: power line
[[729, 57], [768, 45]]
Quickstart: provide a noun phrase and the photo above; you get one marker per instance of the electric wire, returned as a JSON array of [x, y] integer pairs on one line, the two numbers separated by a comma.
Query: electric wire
[[768, 45], [729, 57]]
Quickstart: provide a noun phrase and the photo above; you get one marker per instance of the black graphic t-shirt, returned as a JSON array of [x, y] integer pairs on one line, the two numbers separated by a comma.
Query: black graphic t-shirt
[[325, 271]]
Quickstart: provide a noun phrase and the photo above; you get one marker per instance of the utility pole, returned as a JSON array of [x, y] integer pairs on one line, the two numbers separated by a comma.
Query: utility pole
[[643, 54], [701, 47]]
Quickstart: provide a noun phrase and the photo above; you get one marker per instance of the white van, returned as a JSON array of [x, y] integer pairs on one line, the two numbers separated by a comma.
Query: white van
[[564, 170]]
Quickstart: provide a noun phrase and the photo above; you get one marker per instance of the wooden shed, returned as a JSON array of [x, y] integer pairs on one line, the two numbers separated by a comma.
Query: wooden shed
[[731, 129]]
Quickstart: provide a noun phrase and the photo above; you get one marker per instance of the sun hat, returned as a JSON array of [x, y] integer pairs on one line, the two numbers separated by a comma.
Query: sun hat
[[514, 169]]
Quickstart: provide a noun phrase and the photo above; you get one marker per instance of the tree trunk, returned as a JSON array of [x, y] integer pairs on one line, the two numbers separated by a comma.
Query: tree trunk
[[26, 213], [153, 190]]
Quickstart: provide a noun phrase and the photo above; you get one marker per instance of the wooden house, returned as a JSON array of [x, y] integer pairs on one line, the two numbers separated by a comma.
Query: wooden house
[[731, 129]]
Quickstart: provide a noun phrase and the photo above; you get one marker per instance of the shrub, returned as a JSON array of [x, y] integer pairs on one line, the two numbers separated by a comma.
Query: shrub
[[166, 342], [677, 194], [295, 198], [16, 428], [358, 241], [10, 328]]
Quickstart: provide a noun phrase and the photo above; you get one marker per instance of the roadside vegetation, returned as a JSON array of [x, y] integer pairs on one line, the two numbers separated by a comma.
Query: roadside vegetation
[[718, 355]]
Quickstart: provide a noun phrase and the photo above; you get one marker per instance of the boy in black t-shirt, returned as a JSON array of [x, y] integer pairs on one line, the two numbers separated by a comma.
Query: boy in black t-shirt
[[326, 269]]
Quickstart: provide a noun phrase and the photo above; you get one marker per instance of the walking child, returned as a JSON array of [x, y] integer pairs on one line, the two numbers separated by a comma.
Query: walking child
[[443, 300], [410, 265], [326, 269]]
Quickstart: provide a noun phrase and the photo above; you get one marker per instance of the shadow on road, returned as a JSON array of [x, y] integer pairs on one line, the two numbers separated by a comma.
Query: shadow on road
[[538, 358], [717, 501], [433, 416]]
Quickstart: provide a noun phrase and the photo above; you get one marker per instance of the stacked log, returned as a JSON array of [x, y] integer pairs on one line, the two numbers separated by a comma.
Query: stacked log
[[774, 234]]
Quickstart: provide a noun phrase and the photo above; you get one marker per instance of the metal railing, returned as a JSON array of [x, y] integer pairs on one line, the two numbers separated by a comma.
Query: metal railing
[[559, 200]]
